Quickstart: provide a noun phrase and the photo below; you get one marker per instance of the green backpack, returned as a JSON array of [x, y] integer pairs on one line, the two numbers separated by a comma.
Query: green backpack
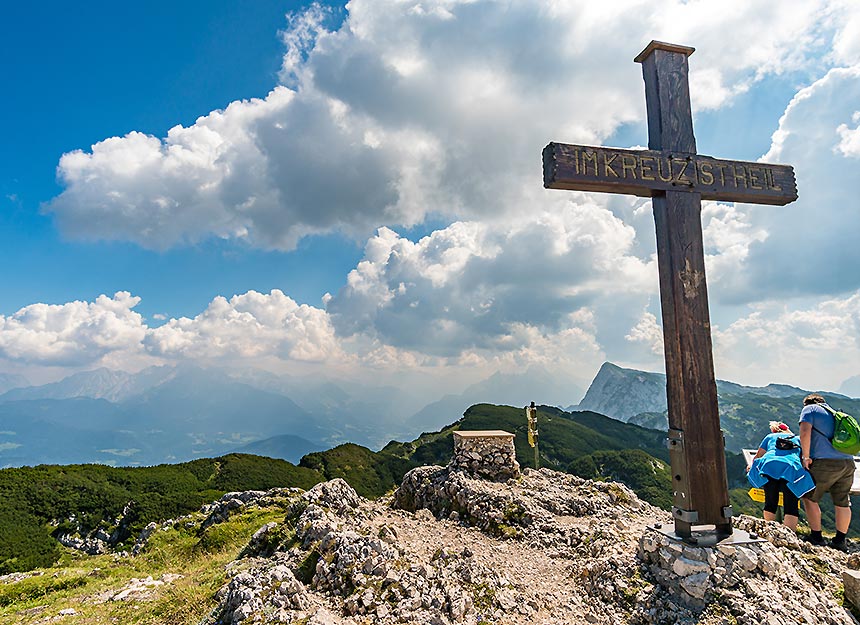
[[846, 431]]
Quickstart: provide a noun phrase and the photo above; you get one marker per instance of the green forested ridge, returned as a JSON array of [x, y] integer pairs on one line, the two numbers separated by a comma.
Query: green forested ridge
[[370, 473], [42, 500], [568, 442], [584, 443], [651, 477]]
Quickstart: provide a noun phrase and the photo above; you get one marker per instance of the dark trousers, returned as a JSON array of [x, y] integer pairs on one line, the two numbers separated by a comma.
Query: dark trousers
[[771, 498]]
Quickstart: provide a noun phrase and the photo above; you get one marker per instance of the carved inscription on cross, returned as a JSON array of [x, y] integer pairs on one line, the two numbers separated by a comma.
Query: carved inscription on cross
[[677, 179]]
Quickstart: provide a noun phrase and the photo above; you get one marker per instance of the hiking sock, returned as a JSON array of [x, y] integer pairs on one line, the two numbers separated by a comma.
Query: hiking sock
[[839, 538], [815, 538]]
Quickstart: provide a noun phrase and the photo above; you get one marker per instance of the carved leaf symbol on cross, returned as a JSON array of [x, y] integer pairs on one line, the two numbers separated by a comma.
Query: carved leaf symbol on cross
[[691, 280]]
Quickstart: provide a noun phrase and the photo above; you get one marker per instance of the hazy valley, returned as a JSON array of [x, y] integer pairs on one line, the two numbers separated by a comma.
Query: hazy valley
[[177, 414], [167, 414]]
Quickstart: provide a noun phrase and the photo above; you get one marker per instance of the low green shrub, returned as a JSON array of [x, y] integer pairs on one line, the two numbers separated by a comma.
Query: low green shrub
[[38, 587]]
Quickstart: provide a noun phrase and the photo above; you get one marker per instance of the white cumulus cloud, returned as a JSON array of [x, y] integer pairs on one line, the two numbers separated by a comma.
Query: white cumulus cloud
[[849, 138], [415, 109], [74, 333], [408, 111], [647, 331], [247, 326], [813, 343], [497, 287], [809, 246]]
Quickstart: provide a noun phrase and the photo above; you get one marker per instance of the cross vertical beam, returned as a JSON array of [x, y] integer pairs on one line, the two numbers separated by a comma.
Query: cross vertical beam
[[695, 440]]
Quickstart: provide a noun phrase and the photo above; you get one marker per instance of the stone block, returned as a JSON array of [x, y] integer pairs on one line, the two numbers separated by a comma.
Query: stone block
[[683, 567], [488, 454], [851, 581]]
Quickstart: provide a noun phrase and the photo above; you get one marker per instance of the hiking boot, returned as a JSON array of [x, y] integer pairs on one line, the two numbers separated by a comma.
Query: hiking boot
[[839, 546], [815, 540]]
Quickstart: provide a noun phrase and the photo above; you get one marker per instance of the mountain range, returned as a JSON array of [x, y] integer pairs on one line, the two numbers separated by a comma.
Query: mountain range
[[175, 414], [94, 496], [9, 381], [545, 547], [851, 386], [162, 414], [639, 397], [84, 499], [624, 393]]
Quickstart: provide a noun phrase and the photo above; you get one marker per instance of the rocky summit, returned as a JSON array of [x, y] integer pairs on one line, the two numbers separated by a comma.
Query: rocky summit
[[541, 548]]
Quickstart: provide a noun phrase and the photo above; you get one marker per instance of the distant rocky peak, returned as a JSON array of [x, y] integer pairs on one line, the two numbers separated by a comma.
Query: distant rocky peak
[[623, 393], [851, 386], [100, 383], [8, 381]]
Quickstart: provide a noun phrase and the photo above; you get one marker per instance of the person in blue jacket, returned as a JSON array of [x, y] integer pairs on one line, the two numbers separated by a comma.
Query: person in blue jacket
[[777, 468]]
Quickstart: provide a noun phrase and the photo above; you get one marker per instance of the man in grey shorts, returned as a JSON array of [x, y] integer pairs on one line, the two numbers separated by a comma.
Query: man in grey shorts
[[832, 470]]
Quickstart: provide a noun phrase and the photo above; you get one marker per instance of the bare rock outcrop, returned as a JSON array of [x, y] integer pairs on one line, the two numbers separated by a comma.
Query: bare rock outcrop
[[547, 548], [231, 503], [757, 582]]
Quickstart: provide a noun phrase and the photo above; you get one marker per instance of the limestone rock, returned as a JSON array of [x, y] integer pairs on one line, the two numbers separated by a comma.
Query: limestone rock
[[219, 511], [335, 494], [140, 589], [143, 537], [546, 548]]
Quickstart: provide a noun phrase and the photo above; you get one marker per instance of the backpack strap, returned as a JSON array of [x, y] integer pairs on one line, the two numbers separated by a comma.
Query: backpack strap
[[832, 414], [822, 433]]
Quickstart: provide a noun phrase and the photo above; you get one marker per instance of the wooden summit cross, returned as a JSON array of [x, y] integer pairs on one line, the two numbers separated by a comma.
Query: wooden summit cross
[[677, 180]]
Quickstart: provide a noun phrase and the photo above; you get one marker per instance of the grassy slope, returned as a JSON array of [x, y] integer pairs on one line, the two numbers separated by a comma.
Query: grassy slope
[[85, 583]]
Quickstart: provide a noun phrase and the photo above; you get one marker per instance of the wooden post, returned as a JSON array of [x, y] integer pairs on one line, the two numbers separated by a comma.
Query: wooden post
[[696, 442], [531, 423]]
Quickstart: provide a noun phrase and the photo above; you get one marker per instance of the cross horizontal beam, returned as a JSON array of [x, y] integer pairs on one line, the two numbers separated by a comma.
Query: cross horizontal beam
[[650, 172]]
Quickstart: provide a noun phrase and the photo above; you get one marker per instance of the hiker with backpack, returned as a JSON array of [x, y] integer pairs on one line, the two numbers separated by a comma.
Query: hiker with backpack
[[777, 469], [822, 435]]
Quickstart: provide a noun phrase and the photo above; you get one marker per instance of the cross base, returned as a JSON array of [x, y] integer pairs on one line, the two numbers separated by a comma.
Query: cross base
[[708, 536]]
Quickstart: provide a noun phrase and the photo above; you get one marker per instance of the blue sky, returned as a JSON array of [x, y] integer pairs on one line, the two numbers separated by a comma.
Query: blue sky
[[352, 190], [87, 72]]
